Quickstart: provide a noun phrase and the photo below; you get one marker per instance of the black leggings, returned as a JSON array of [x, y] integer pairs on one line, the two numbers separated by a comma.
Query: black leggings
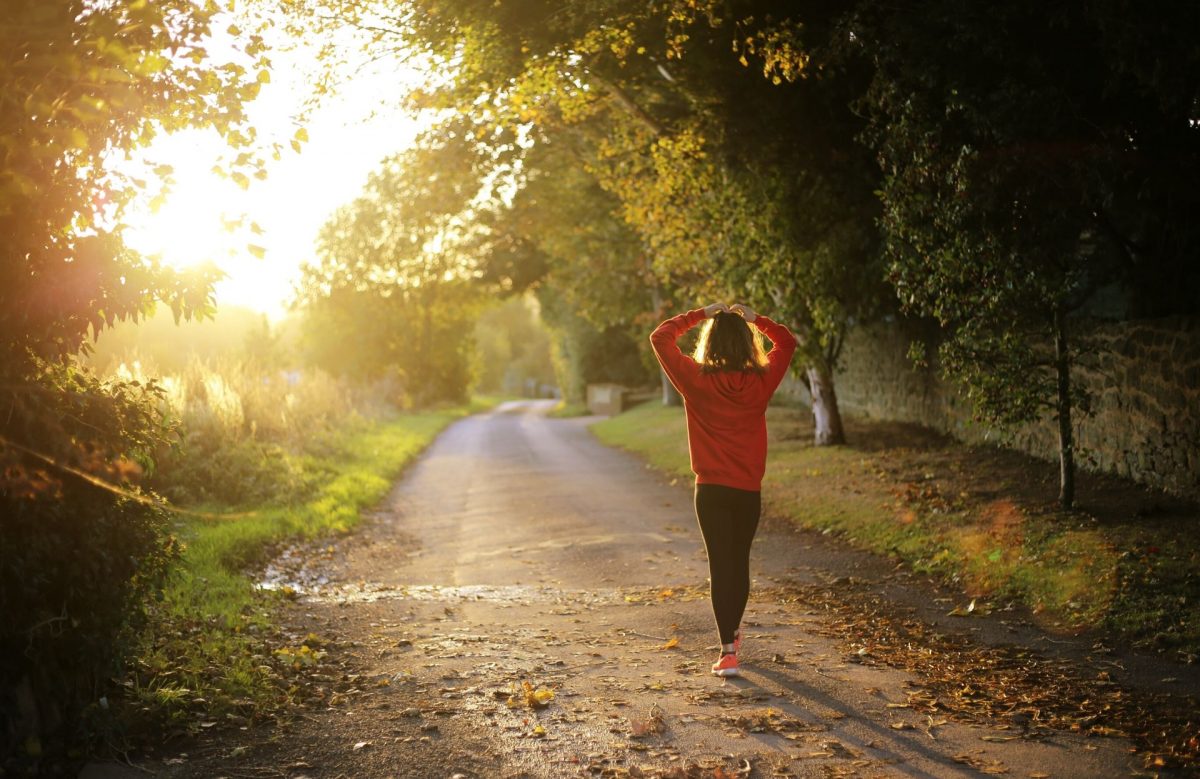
[[728, 520]]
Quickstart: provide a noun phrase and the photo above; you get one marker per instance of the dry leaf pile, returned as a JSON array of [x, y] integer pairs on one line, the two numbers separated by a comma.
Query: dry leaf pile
[[1018, 687]]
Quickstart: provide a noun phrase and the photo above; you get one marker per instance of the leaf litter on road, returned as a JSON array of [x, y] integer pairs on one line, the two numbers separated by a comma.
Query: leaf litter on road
[[1017, 690]]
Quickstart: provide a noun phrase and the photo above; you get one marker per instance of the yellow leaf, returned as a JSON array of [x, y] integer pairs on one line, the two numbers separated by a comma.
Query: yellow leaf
[[301, 135], [264, 77], [259, 252], [533, 697], [538, 698], [674, 642]]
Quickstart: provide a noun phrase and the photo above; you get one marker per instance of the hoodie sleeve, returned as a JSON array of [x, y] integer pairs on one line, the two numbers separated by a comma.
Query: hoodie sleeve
[[782, 349], [680, 369]]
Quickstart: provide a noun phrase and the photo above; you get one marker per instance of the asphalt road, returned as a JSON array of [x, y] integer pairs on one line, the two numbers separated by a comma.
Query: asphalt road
[[520, 550]]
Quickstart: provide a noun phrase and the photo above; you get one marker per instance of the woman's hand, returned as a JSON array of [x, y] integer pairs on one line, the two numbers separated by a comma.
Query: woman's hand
[[713, 309], [746, 312]]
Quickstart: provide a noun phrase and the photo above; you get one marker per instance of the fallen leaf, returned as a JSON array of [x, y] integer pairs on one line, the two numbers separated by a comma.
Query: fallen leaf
[[528, 695]]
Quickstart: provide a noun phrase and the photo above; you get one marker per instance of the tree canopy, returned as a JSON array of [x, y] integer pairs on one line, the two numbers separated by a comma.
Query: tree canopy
[[396, 275], [830, 162]]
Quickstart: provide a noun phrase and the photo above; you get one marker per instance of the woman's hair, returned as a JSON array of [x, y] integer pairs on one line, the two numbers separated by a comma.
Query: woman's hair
[[727, 343]]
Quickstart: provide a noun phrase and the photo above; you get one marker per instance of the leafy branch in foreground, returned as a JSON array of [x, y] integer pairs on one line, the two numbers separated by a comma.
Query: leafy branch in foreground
[[82, 85]]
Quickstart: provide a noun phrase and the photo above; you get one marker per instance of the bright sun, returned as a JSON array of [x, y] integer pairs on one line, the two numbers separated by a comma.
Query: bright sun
[[206, 218], [298, 196], [189, 227]]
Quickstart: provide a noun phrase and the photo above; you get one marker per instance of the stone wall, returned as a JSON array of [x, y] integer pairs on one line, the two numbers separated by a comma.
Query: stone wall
[[1144, 382]]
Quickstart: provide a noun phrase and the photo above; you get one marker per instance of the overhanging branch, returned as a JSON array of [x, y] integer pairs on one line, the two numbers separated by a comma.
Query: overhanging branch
[[629, 105]]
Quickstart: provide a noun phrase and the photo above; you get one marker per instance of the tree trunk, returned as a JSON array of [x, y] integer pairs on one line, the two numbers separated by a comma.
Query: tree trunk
[[670, 396], [1066, 442], [826, 416]]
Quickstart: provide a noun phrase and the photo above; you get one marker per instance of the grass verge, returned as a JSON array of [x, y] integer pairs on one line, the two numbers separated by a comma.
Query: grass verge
[[981, 518], [212, 653]]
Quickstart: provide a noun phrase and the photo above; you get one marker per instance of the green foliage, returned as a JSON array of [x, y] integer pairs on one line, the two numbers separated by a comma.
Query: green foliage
[[393, 291], [584, 354], [1019, 172], [512, 348], [591, 272], [82, 83], [723, 184], [76, 562], [76, 574], [1010, 191]]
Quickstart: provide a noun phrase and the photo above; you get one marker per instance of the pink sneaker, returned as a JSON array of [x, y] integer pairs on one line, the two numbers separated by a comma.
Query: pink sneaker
[[726, 666]]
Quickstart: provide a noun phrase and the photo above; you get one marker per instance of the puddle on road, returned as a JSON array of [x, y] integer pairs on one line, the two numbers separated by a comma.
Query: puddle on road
[[512, 593], [290, 572], [320, 590]]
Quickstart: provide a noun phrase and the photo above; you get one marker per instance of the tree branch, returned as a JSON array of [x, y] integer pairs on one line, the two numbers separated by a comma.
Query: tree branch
[[630, 106]]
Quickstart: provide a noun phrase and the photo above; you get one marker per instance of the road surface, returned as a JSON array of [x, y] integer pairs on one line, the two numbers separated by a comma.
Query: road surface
[[520, 551]]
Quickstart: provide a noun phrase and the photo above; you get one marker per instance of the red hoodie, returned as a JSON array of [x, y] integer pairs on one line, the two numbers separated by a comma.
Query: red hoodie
[[726, 410]]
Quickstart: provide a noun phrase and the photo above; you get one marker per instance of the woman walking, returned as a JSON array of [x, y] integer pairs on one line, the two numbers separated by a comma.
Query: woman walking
[[726, 386]]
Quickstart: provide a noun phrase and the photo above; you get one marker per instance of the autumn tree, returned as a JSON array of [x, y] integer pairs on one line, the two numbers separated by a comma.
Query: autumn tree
[[82, 84], [735, 184], [588, 269], [763, 193]]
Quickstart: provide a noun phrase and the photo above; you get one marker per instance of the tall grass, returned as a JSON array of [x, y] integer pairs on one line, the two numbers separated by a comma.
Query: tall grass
[[248, 434]]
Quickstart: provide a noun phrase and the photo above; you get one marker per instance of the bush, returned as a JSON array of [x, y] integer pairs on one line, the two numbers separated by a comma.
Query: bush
[[77, 562], [75, 574], [81, 565]]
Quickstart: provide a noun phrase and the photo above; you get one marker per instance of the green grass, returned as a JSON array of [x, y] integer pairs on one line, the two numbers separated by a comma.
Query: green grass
[[212, 642], [652, 430], [980, 519]]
